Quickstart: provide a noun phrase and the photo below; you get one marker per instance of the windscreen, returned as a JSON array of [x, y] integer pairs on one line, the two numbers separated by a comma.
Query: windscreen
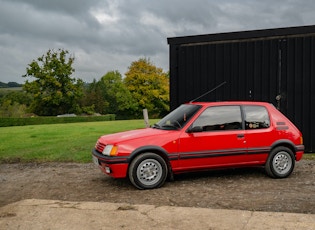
[[178, 118]]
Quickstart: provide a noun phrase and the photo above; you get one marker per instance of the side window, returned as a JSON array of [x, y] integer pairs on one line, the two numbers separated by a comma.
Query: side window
[[219, 118], [256, 117]]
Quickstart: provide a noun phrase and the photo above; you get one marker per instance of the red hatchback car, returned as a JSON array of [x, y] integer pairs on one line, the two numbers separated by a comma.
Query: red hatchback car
[[202, 136]]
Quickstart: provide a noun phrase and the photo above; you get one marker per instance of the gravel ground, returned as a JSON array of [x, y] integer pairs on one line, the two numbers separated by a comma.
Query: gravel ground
[[243, 189]]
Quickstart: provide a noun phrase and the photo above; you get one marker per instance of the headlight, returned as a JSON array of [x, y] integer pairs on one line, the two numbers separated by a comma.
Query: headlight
[[110, 150]]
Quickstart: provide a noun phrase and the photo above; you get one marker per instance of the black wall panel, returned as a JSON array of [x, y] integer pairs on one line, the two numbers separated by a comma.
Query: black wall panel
[[276, 66]]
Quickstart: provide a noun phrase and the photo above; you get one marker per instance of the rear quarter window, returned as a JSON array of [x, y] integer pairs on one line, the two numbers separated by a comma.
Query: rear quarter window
[[256, 117]]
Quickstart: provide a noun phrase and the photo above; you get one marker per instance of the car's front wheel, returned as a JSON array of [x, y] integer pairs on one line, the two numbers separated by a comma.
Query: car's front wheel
[[148, 171], [280, 162]]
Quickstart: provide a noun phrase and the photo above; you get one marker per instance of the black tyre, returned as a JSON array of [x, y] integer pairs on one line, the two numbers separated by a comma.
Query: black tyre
[[280, 162], [148, 171]]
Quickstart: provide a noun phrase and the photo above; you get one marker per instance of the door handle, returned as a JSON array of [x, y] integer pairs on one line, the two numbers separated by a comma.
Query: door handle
[[240, 135]]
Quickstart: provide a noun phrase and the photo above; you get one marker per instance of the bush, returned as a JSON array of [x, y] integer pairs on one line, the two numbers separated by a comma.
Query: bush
[[11, 121]]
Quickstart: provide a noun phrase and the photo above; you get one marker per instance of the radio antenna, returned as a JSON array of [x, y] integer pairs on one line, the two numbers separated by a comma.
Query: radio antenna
[[218, 86]]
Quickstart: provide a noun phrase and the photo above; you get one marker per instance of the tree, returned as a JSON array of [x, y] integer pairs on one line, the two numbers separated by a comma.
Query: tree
[[54, 91], [109, 95], [93, 97], [9, 85], [17, 96], [14, 103], [149, 86], [116, 94], [10, 108]]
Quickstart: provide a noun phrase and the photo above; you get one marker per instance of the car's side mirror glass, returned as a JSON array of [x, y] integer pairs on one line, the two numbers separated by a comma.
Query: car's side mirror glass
[[195, 129]]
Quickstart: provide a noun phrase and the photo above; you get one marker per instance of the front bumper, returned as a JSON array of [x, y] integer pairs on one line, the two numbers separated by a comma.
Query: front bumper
[[113, 166]]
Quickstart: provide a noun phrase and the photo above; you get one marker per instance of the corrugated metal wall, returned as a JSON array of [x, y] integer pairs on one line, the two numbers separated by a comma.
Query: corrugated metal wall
[[276, 69]]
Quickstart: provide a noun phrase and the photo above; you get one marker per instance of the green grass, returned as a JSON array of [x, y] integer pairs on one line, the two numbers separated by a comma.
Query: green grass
[[71, 142], [309, 156]]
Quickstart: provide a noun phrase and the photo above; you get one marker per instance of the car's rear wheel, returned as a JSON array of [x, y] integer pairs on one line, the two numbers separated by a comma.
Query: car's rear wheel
[[148, 171], [280, 162]]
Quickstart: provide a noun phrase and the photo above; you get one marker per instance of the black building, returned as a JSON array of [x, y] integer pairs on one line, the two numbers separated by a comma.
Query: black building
[[273, 65]]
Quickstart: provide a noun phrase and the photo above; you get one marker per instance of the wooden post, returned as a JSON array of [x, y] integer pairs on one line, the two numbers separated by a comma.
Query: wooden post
[[146, 118]]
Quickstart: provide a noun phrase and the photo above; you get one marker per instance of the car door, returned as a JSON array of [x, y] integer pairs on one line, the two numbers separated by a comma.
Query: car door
[[216, 138], [258, 133]]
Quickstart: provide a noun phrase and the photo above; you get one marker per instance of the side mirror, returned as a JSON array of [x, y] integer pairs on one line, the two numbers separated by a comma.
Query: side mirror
[[196, 129]]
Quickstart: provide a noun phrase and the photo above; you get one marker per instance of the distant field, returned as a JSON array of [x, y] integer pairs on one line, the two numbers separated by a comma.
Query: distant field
[[11, 89], [57, 142]]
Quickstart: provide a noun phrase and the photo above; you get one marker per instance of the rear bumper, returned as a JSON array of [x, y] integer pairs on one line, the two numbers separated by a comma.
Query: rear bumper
[[113, 166], [299, 152]]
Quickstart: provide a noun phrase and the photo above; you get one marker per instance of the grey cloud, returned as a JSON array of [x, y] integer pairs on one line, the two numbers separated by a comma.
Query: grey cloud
[[70, 7], [108, 35]]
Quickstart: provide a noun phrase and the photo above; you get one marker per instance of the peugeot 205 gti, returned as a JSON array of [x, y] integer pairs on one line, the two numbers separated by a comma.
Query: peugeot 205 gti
[[202, 136]]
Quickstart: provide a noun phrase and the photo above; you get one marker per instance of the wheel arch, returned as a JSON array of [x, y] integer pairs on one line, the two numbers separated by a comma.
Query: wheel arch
[[286, 143], [153, 149]]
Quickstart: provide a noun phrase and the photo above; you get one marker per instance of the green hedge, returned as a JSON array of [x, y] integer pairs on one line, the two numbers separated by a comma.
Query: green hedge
[[10, 121]]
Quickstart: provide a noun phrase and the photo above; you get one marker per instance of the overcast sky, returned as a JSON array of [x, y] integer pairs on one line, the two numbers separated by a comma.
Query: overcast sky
[[106, 35]]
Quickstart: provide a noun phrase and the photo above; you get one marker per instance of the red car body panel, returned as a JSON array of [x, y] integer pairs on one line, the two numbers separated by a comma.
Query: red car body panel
[[191, 151]]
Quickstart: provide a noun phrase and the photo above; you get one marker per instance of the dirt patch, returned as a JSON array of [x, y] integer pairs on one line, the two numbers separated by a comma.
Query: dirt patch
[[244, 189]]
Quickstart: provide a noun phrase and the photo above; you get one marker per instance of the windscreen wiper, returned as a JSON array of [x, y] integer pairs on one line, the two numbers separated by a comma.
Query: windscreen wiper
[[156, 126]]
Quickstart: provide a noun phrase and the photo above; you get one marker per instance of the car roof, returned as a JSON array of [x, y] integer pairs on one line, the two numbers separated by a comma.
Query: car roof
[[218, 103]]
